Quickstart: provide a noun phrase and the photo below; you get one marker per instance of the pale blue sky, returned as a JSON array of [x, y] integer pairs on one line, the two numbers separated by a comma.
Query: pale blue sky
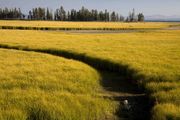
[[148, 7]]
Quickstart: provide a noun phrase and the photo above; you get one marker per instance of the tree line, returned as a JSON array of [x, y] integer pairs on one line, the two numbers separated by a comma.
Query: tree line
[[13, 13], [61, 14]]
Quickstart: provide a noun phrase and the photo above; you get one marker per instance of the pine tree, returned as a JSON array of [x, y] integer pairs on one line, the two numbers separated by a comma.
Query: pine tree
[[113, 16], [140, 17]]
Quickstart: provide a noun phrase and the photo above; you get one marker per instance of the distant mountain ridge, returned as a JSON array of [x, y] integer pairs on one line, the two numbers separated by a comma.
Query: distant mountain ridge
[[162, 18]]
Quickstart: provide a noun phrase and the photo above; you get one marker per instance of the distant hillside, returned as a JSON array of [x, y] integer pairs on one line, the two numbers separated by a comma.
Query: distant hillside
[[163, 18]]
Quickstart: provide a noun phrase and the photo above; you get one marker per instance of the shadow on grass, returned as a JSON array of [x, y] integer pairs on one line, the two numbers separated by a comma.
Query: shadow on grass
[[120, 89], [70, 29], [118, 80]]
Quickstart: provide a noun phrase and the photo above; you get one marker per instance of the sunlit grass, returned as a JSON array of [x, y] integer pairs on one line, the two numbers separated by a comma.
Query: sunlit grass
[[84, 24], [166, 112], [44, 87], [154, 55]]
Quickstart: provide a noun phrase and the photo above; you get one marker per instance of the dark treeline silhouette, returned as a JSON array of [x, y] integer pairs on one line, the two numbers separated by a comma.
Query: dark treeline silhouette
[[40, 14], [61, 14], [14, 13]]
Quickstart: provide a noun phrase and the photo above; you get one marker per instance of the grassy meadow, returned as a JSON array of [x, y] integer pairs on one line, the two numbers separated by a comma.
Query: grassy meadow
[[43, 87], [83, 25], [149, 58]]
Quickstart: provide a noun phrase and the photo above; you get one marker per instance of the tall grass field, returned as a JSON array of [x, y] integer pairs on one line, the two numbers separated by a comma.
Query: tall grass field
[[56, 25], [43, 87], [150, 59]]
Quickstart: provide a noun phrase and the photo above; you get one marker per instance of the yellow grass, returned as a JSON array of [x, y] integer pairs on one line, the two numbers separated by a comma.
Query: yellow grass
[[166, 112], [154, 55], [83, 24], [44, 87], [151, 53]]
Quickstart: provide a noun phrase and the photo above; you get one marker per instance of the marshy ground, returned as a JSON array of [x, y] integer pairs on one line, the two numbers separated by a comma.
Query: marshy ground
[[119, 89], [150, 57]]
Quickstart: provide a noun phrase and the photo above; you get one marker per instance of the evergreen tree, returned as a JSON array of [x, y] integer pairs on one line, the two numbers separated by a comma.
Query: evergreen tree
[[68, 16], [113, 16], [106, 15], [47, 14], [121, 18], [140, 17], [30, 15], [132, 16]]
